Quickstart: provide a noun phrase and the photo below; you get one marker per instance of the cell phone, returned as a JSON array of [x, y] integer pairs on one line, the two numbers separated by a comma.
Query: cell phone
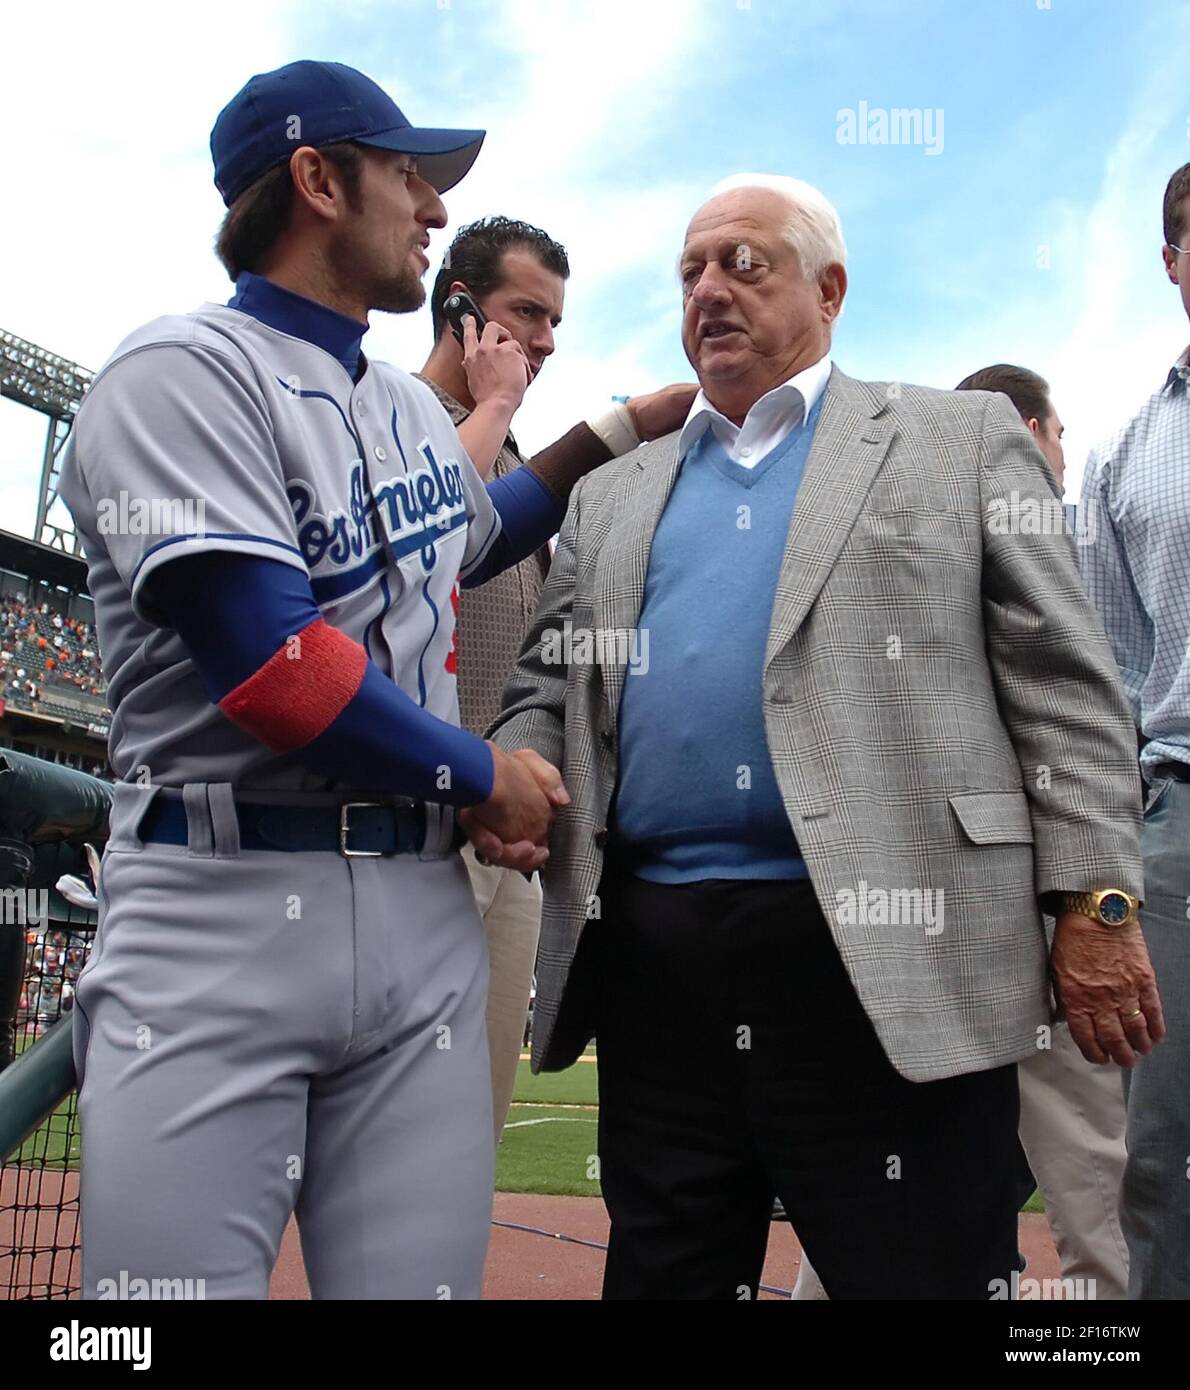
[[456, 307]]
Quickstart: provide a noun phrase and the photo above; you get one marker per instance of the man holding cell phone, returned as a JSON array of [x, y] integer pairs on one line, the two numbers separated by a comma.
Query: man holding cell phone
[[512, 277]]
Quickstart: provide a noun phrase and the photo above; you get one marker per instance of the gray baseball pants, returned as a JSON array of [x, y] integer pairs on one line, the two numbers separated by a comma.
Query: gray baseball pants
[[259, 1033]]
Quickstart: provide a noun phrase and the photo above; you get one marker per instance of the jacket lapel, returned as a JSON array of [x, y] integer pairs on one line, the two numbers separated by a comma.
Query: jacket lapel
[[849, 446], [636, 507]]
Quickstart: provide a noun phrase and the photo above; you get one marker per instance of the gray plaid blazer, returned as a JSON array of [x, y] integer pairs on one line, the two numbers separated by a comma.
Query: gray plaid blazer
[[941, 706]]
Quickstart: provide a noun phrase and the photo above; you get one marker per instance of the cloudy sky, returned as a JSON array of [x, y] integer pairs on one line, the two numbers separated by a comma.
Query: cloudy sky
[[1023, 226]]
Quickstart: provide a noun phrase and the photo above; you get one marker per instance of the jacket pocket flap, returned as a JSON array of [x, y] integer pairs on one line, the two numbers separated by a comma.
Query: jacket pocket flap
[[991, 818]]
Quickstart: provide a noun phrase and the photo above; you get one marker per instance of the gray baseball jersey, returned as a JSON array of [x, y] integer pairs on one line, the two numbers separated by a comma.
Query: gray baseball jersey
[[257, 1032], [214, 428]]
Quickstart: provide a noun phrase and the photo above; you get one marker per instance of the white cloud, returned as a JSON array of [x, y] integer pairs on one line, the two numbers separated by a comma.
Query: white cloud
[[111, 210], [120, 211], [560, 134], [22, 441], [1132, 325], [1101, 322]]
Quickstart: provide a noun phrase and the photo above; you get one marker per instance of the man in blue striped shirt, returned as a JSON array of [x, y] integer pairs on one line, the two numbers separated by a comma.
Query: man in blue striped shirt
[[1135, 559]]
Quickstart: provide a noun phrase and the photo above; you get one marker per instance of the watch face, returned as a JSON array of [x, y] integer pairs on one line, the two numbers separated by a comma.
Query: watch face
[[1114, 908]]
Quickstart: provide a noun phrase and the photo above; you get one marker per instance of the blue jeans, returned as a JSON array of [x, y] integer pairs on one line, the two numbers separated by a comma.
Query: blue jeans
[[1155, 1198]]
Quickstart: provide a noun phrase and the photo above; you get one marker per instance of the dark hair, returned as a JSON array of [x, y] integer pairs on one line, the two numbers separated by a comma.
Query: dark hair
[[262, 211], [1028, 392], [1173, 209], [476, 257]]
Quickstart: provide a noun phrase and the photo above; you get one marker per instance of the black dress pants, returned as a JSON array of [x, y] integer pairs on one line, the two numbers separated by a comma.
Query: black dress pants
[[736, 1063]]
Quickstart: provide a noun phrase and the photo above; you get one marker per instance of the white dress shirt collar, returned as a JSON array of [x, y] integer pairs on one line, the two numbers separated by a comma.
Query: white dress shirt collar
[[766, 424]]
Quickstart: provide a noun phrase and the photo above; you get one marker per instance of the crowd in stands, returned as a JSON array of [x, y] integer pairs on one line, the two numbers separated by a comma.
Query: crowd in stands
[[41, 651]]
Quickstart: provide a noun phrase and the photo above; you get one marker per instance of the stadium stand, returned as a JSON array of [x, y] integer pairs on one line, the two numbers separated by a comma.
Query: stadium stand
[[51, 685]]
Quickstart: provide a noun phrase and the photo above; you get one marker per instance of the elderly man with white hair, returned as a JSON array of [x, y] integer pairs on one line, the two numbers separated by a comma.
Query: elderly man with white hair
[[836, 725]]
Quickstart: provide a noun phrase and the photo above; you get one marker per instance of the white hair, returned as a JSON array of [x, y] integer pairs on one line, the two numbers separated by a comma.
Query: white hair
[[813, 230]]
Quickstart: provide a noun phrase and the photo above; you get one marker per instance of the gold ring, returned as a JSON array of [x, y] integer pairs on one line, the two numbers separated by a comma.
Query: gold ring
[[1134, 1014]]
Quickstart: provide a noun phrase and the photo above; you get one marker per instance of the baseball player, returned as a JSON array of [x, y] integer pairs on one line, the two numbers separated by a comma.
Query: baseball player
[[284, 1009]]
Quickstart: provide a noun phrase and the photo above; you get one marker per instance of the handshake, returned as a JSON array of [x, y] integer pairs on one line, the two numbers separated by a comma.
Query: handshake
[[511, 827]]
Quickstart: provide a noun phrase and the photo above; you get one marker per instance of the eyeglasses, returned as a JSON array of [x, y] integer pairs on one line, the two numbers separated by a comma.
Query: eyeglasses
[[1181, 250]]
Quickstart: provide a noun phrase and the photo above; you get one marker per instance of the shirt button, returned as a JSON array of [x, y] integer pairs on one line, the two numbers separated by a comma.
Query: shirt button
[[361, 408], [380, 454], [745, 453]]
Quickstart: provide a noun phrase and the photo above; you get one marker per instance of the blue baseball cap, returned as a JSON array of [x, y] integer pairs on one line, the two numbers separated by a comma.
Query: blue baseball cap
[[316, 104]]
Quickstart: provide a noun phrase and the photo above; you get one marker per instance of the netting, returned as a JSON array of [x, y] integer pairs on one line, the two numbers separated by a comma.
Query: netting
[[39, 1206]]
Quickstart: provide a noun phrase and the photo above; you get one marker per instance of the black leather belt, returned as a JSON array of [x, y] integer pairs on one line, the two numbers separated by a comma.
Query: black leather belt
[[1180, 772], [354, 829]]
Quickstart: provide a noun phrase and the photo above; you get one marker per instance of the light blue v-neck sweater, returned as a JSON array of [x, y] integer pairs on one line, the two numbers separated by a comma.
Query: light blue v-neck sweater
[[697, 797]]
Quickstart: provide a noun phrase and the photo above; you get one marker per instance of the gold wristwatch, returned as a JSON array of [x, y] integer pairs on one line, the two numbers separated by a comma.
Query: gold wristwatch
[[1110, 906]]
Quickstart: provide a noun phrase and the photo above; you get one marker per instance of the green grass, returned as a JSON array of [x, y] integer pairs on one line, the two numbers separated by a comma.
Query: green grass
[[578, 1085], [549, 1139], [549, 1149]]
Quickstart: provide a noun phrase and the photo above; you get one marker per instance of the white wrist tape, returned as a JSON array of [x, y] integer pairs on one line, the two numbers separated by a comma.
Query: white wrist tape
[[616, 430]]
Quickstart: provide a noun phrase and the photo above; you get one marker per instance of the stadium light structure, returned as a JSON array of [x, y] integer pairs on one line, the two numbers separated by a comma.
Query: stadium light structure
[[55, 386]]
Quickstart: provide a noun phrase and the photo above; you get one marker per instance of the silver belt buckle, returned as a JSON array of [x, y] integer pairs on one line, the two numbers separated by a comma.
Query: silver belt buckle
[[344, 829]]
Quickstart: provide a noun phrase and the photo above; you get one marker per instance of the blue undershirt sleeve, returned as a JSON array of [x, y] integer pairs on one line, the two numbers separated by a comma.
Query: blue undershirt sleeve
[[234, 612], [529, 515]]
